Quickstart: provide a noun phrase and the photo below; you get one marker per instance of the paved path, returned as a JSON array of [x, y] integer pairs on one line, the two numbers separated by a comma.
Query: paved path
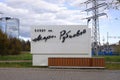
[[57, 74]]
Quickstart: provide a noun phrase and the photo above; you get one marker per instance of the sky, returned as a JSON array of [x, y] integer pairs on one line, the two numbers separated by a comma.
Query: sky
[[57, 12]]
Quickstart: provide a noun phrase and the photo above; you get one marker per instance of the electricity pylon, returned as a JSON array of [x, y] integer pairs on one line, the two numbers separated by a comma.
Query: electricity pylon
[[96, 4]]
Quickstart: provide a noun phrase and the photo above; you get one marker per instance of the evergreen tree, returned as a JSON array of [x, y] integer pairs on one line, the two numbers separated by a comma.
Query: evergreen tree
[[9, 46], [4, 43]]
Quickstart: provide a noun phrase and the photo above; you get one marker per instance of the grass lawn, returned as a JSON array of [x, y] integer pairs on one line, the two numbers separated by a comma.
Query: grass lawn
[[19, 65], [22, 56], [110, 58], [16, 65], [28, 56], [111, 66]]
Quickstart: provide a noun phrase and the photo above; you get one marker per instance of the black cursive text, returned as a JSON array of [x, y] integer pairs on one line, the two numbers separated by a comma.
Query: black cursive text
[[66, 34], [45, 38]]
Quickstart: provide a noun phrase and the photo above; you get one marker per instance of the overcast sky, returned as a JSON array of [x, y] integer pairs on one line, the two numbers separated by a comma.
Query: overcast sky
[[55, 12]]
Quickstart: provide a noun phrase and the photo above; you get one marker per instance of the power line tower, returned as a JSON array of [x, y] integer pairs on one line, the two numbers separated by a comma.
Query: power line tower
[[96, 4]]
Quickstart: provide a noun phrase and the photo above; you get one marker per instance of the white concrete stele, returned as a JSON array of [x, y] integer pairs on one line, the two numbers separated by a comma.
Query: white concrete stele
[[59, 41]]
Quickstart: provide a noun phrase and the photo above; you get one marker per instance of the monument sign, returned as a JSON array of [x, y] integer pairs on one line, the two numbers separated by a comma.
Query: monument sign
[[59, 41]]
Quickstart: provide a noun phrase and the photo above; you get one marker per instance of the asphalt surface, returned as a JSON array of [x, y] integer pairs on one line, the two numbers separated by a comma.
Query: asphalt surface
[[57, 74]]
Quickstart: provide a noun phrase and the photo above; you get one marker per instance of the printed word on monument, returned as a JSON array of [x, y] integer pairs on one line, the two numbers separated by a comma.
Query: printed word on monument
[[64, 41]]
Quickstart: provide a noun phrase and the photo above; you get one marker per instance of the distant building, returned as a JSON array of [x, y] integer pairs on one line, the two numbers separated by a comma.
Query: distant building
[[10, 26]]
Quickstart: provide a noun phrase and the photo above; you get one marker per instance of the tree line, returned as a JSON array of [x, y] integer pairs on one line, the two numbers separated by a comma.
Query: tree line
[[12, 46]]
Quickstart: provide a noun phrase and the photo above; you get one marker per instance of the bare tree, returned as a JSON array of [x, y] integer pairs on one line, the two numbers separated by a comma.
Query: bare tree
[[114, 4]]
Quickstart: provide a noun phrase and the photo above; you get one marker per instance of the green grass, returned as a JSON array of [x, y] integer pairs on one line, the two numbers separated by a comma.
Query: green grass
[[110, 66], [19, 65], [23, 56], [28, 56], [110, 58], [16, 65]]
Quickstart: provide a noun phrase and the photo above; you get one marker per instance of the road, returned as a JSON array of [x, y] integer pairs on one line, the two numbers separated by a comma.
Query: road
[[57, 74]]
